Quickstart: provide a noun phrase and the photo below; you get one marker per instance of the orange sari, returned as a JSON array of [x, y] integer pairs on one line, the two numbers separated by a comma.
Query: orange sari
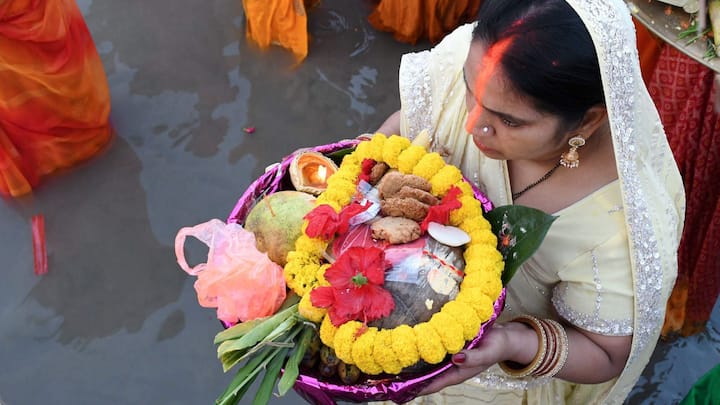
[[411, 20], [54, 97], [280, 22]]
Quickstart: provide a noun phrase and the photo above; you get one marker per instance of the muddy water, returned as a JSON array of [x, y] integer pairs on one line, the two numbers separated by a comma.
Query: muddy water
[[115, 321]]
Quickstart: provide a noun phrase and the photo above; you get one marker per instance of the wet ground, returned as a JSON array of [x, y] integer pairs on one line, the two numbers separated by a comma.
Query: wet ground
[[115, 321]]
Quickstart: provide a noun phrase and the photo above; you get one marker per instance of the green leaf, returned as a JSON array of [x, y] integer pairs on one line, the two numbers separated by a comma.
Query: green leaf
[[237, 331], [264, 392], [338, 155], [259, 332], [292, 369], [276, 338], [245, 376], [520, 231]]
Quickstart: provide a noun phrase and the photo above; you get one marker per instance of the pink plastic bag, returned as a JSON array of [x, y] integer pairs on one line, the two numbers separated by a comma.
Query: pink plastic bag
[[238, 280]]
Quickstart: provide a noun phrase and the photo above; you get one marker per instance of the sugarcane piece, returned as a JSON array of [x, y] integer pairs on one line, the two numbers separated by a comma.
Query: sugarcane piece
[[714, 12]]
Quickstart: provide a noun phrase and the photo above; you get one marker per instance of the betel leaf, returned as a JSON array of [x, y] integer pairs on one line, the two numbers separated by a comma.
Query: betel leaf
[[338, 155], [520, 231]]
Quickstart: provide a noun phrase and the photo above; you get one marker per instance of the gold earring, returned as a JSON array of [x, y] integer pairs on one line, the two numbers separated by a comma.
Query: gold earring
[[571, 158]]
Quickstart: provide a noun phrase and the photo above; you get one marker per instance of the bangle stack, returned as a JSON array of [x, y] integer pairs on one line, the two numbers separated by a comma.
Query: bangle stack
[[552, 349]]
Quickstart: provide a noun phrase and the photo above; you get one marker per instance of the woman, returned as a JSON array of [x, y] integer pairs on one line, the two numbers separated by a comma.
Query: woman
[[542, 104], [54, 98]]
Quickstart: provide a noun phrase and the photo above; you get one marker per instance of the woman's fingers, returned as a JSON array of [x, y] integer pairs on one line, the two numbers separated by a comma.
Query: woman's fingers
[[453, 376]]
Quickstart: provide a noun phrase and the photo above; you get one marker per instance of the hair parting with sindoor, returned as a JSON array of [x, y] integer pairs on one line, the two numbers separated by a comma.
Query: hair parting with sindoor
[[551, 57]]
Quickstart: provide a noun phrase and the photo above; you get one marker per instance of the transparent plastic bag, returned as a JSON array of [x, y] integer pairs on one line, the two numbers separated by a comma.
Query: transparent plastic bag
[[425, 274], [237, 279]]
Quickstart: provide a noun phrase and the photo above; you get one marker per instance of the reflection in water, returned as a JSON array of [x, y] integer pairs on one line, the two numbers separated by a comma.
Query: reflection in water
[[107, 272], [179, 54], [356, 93]]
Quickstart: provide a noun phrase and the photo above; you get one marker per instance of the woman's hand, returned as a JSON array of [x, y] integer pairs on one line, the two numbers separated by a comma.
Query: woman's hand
[[497, 345], [518, 343]]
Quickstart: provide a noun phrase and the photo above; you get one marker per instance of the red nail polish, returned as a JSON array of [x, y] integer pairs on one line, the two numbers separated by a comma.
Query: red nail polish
[[459, 358]]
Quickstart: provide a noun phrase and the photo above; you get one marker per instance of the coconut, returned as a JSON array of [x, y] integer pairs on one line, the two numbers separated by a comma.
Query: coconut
[[277, 222]]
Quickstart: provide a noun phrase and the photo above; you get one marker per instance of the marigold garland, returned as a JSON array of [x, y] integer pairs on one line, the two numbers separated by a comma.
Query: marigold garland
[[390, 350]]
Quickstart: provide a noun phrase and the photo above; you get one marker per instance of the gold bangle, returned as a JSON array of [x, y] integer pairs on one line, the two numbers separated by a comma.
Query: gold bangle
[[558, 362], [553, 343], [510, 367]]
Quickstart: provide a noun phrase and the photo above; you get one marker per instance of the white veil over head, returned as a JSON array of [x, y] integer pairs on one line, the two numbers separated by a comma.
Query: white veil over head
[[653, 196]]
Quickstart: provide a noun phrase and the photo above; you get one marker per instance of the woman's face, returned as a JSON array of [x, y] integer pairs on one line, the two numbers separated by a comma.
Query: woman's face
[[517, 129]]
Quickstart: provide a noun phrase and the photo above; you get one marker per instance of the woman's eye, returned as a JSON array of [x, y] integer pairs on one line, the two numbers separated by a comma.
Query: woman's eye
[[509, 123]]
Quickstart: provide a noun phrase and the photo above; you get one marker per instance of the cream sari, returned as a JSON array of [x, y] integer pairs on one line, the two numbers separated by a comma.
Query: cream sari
[[609, 262]]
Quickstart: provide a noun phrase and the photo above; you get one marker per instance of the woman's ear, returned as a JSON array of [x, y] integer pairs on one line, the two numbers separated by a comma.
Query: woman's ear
[[595, 118]]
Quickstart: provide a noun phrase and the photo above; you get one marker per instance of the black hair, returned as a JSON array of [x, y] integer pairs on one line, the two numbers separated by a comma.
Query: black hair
[[551, 57]]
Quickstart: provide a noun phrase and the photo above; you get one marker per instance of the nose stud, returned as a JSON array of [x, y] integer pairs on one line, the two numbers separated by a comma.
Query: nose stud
[[486, 129]]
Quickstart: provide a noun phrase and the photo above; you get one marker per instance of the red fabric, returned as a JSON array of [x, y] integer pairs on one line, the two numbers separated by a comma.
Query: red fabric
[[684, 92]]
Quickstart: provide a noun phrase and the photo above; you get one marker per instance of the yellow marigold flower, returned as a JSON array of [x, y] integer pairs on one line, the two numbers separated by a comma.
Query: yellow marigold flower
[[498, 268], [482, 253], [480, 302], [343, 175], [444, 179], [384, 354], [429, 344], [362, 151], [393, 147], [488, 284], [350, 160], [478, 263], [474, 224], [484, 237], [463, 315], [303, 257], [362, 352], [404, 344], [308, 311], [344, 340], [305, 279], [336, 197], [341, 181], [429, 165], [465, 187], [377, 144], [323, 199], [450, 331], [471, 208], [327, 332], [307, 244], [409, 158]]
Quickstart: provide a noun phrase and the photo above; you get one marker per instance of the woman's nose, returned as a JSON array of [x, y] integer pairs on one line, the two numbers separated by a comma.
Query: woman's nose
[[476, 122]]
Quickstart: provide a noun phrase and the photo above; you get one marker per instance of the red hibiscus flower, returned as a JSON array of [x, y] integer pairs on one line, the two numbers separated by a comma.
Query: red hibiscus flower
[[355, 291], [324, 222], [441, 213]]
